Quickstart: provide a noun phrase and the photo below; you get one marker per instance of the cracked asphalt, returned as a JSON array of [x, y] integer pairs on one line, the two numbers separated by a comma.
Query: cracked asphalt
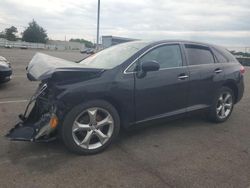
[[190, 152]]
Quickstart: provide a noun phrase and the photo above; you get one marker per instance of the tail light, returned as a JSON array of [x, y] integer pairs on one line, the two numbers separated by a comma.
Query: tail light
[[242, 69]]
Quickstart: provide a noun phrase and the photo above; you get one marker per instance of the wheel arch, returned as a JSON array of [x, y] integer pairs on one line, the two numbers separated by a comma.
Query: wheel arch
[[124, 108], [233, 86], [120, 108]]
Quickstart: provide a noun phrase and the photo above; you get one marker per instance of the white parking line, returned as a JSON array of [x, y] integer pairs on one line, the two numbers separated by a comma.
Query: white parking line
[[15, 101]]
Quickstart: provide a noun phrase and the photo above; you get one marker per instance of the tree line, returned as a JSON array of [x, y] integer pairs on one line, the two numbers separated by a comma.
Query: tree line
[[34, 33]]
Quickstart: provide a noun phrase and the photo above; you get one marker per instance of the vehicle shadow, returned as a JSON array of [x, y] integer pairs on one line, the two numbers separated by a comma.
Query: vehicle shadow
[[186, 122]]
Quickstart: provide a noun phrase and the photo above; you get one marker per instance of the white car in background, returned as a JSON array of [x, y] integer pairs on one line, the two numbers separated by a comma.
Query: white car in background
[[88, 51], [8, 46]]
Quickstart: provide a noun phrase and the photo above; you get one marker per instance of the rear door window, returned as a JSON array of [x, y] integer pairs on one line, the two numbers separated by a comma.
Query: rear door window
[[198, 55]]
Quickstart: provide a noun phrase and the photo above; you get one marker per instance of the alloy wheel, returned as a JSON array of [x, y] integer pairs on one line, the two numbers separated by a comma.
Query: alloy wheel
[[224, 105], [93, 128]]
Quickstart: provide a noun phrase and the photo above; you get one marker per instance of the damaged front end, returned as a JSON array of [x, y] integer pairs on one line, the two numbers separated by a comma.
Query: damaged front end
[[39, 121], [46, 110]]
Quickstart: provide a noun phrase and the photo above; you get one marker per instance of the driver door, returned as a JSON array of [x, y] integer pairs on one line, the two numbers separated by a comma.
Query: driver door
[[162, 93]]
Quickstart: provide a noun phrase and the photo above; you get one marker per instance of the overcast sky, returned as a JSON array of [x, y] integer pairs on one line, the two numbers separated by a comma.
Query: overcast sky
[[224, 22]]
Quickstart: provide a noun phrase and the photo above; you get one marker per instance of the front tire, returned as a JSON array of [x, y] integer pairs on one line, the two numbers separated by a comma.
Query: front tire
[[90, 127], [222, 106]]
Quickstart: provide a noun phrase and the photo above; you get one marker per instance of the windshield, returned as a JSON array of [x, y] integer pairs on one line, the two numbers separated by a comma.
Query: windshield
[[113, 56]]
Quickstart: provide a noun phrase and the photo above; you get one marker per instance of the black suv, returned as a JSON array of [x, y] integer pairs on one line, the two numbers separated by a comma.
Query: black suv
[[86, 103]]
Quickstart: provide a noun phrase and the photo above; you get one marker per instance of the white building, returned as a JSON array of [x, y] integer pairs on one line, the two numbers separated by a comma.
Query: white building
[[66, 45], [108, 41]]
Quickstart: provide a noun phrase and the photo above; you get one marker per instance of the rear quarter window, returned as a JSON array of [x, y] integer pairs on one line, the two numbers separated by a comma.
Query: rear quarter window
[[226, 54], [219, 56]]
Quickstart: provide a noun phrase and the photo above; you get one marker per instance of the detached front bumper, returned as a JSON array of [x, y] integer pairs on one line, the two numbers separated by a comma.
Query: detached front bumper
[[41, 123], [32, 131]]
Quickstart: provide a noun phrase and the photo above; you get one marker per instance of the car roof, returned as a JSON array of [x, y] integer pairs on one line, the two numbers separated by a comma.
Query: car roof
[[180, 41], [219, 48]]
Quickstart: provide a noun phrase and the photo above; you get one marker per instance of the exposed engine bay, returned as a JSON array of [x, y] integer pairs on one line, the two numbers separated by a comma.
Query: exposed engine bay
[[39, 121]]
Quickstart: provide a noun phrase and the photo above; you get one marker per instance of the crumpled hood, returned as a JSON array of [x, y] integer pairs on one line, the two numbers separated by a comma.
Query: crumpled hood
[[42, 67]]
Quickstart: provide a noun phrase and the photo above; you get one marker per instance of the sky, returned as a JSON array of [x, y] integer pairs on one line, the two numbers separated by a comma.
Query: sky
[[222, 22]]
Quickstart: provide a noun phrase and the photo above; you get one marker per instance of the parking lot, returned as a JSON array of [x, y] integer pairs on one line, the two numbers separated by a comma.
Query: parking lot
[[190, 152]]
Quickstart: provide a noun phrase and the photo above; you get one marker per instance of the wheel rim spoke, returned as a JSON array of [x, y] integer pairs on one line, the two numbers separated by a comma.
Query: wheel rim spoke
[[221, 98], [228, 105], [219, 109], [102, 137], [86, 140], [79, 126], [105, 121], [227, 97], [223, 111], [92, 115]]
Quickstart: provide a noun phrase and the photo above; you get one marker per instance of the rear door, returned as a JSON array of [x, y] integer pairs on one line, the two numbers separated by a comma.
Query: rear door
[[162, 93], [205, 75]]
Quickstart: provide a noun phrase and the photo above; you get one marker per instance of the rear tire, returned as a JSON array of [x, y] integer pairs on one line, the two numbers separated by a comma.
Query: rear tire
[[90, 127], [222, 106]]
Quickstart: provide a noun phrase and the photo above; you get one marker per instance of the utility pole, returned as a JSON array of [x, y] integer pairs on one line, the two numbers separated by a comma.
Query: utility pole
[[98, 23]]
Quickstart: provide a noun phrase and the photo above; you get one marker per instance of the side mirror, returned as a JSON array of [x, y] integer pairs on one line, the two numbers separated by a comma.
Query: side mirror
[[147, 66], [150, 66]]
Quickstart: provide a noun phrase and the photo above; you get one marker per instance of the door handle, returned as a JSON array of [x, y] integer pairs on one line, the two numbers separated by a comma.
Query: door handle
[[217, 71], [182, 76]]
